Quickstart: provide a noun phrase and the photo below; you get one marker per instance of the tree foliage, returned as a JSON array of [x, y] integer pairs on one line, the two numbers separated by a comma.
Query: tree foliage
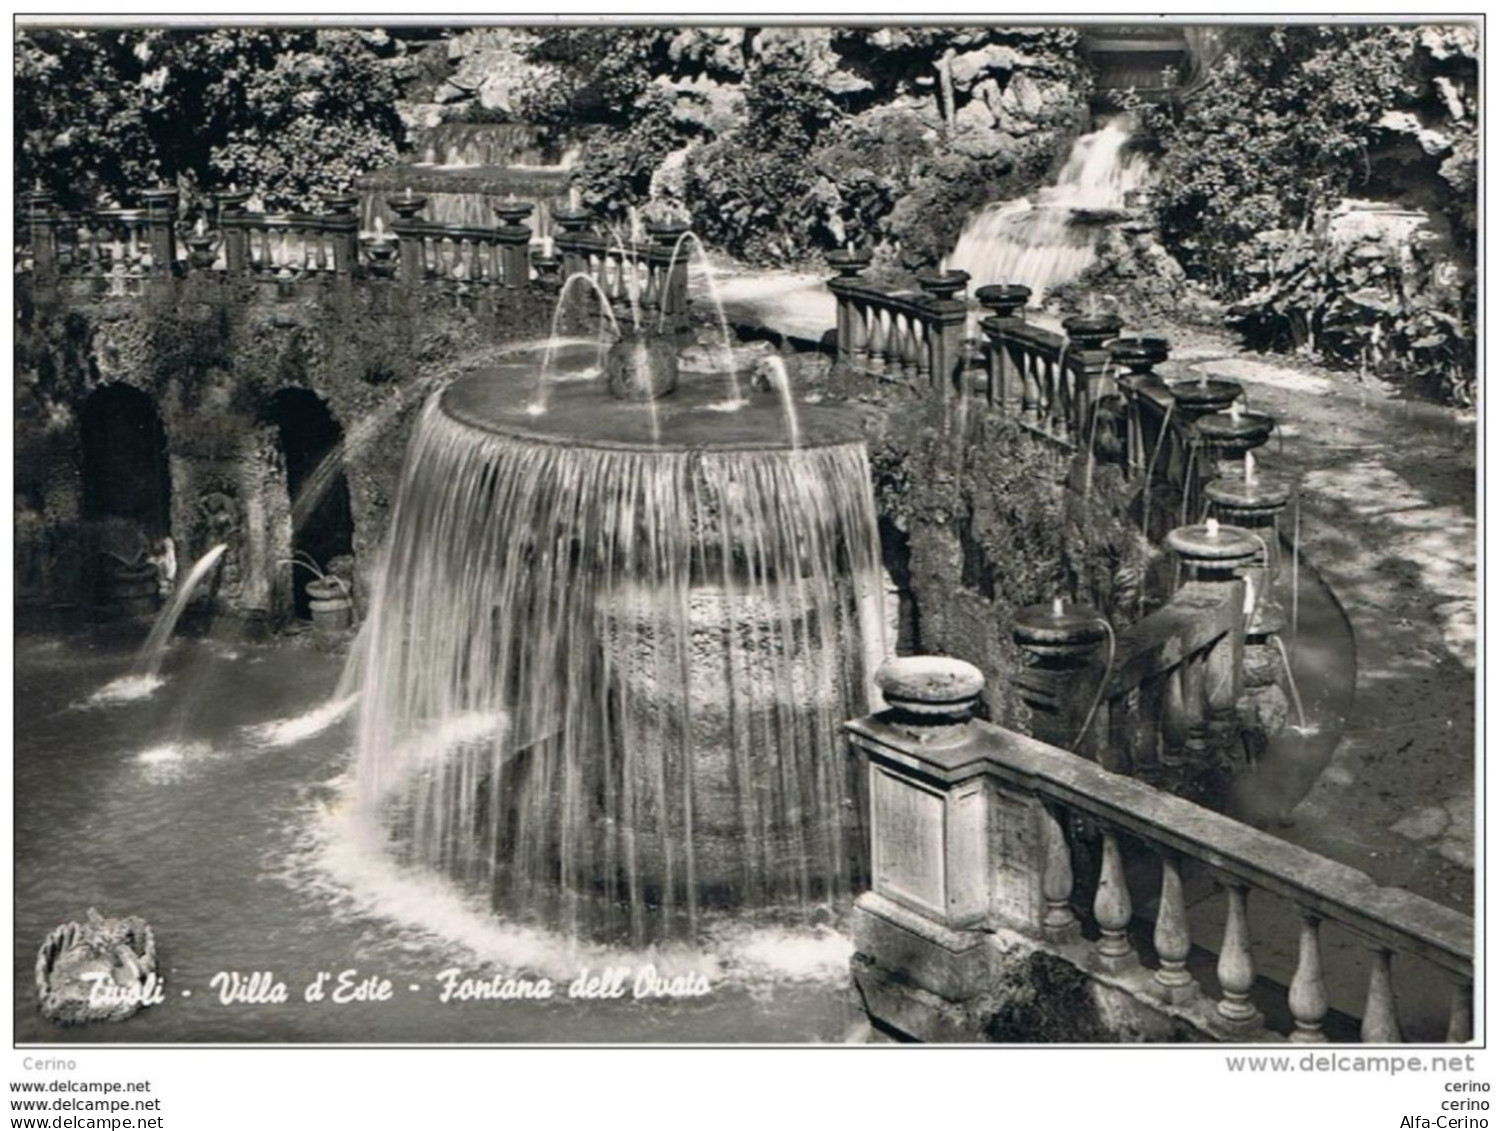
[[1283, 126], [291, 114]]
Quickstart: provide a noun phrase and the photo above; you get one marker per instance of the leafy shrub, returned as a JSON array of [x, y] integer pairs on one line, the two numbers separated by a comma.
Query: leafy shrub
[[1288, 122], [291, 114], [1396, 308]]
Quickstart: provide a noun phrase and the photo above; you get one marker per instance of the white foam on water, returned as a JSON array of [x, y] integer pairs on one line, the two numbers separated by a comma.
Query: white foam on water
[[288, 732], [339, 857], [809, 954], [169, 760], [126, 689]]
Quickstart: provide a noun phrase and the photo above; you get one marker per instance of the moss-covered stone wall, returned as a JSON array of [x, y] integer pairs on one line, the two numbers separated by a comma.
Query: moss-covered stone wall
[[981, 517], [211, 354]]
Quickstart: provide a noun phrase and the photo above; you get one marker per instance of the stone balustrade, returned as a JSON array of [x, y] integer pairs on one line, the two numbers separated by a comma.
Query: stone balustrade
[[650, 278], [992, 850], [899, 334], [121, 247]]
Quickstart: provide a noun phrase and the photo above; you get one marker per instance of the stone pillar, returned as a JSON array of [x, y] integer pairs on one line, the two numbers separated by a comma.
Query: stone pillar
[[411, 233], [922, 963], [1089, 361], [161, 222], [1060, 643], [1213, 557], [1138, 356], [231, 209], [344, 227], [946, 319], [41, 218], [1006, 303], [514, 238]]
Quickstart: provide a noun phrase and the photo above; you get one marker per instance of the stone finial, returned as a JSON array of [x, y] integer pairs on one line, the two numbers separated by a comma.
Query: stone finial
[[1214, 547], [935, 690], [1059, 631]]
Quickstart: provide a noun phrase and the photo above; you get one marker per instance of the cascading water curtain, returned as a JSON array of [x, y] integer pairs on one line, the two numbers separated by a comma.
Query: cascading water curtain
[[605, 685]]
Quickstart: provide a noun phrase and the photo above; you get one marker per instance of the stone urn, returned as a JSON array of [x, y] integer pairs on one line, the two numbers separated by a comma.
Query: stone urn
[[131, 588], [641, 367], [1004, 300], [330, 603], [1090, 331]]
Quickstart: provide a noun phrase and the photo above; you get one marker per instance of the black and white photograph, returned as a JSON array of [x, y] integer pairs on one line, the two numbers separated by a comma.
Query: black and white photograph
[[810, 532]]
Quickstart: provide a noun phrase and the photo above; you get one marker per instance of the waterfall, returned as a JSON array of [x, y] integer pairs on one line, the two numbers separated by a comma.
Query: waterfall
[[604, 682], [1049, 241]]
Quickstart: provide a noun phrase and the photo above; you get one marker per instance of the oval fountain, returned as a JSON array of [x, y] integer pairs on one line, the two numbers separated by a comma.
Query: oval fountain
[[613, 646]]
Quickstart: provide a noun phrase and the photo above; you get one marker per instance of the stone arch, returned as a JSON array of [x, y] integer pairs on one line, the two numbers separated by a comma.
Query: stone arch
[[126, 474], [311, 446]]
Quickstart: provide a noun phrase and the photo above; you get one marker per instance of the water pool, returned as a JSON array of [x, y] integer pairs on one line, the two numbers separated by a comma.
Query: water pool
[[236, 845]]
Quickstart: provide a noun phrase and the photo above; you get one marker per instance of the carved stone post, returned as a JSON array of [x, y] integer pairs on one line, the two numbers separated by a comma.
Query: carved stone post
[[1006, 303], [411, 233], [574, 241], [946, 319], [41, 218], [850, 263], [343, 229], [231, 209], [1060, 680], [1213, 555], [941, 871], [161, 222]]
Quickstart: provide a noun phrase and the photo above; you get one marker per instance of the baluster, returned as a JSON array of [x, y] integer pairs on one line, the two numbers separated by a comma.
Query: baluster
[[1308, 993], [1381, 1024], [879, 336], [1030, 388], [861, 333], [1236, 964], [1460, 1014], [925, 342], [898, 347], [895, 345], [1112, 909], [1059, 922], [1173, 938], [907, 352], [1176, 725], [133, 249]]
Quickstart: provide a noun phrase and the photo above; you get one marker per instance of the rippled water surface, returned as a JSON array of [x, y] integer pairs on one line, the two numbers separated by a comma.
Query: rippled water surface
[[215, 808]]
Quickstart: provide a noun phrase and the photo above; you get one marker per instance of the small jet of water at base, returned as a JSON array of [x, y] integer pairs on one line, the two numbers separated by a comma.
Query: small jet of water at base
[[288, 732], [726, 406], [126, 689]]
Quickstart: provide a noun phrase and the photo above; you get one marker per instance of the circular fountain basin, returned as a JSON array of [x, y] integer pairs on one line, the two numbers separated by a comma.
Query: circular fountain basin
[[1211, 395], [1236, 433], [1219, 545], [1139, 353], [1260, 498], [699, 415], [1005, 300], [1091, 331], [1047, 630]]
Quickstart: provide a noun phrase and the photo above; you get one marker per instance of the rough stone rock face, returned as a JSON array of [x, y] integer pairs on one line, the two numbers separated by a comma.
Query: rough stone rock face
[[210, 369]]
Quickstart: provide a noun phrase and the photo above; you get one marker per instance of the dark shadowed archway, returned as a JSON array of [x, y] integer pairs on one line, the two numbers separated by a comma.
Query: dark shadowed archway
[[125, 472], [322, 520]]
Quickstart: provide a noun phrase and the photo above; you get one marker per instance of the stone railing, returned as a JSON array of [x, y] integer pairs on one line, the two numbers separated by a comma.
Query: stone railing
[[650, 278], [912, 336], [122, 248], [990, 849]]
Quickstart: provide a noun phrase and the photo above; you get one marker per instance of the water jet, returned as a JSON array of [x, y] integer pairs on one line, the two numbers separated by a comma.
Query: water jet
[[668, 611]]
